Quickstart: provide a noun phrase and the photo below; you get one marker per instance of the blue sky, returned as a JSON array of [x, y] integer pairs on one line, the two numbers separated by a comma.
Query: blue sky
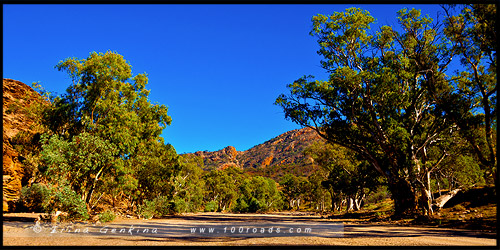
[[219, 68]]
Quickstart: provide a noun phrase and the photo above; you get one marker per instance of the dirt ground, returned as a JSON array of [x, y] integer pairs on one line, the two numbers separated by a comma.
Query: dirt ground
[[234, 230]]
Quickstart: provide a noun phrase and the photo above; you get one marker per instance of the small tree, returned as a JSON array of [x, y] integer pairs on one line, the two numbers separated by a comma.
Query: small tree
[[293, 189]]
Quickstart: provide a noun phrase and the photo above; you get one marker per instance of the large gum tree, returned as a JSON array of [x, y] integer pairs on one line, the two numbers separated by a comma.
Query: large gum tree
[[381, 98]]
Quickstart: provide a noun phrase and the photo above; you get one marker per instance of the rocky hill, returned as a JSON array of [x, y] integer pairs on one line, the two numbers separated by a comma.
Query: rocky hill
[[17, 100], [220, 159], [273, 158]]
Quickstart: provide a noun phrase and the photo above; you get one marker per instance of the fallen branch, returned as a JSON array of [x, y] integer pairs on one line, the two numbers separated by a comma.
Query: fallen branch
[[441, 200]]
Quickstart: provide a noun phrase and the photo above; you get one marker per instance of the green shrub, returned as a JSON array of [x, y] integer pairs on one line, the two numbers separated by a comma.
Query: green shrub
[[178, 205], [35, 198], [379, 195], [48, 199], [67, 200], [241, 206], [107, 216], [157, 207], [210, 206], [254, 205]]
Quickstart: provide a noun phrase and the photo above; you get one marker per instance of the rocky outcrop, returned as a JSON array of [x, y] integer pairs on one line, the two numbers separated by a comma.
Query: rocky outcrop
[[285, 149], [220, 159], [17, 99], [281, 153]]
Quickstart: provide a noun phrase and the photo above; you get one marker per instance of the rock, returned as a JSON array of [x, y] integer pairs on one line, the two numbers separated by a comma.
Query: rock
[[280, 153], [17, 99]]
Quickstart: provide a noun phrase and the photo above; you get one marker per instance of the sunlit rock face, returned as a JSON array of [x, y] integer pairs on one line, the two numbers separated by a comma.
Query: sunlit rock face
[[17, 99], [271, 159]]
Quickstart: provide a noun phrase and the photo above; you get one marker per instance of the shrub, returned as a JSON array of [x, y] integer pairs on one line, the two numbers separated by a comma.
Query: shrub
[[35, 198], [241, 206], [211, 206], [107, 216], [66, 200], [254, 205], [159, 206], [178, 205], [379, 195], [48, 199]]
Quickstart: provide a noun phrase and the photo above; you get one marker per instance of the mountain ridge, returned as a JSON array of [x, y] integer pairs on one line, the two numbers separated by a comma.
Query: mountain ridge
[[272, 158]]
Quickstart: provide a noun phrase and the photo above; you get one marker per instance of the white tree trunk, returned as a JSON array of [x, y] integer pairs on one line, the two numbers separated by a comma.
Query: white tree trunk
[[358, 202], [441, 200], [350, 204]]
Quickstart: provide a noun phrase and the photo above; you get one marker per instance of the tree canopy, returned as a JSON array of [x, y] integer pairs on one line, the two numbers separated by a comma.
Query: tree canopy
[[387, 97]]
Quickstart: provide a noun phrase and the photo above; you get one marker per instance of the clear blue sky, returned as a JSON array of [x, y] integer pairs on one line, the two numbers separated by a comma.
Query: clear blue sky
[[219, 68]]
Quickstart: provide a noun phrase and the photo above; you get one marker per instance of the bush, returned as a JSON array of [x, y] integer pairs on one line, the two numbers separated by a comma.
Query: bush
[[107, 216], [159, 206], [48, 199], [254, 205], [35, 198], [211, 206], [178, 205], [379, 195], [241, 206], [66, 200]]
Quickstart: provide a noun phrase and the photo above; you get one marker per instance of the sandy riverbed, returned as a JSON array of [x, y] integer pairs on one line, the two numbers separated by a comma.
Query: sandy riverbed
[[18, 229]]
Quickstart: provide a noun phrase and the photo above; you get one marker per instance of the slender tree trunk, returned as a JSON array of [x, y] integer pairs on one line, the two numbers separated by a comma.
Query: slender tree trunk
[[358, 202], [426, 195], [92, 188], [350, 204]]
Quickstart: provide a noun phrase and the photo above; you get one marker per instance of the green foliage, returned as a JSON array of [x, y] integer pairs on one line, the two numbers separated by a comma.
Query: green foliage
[[388, 98], [292, 189], [257, 194], [189, 184], [221, 186], [465, 171], [178, 205], [106, 216], [49, 199], [472, 34], [67, 200], [210, 206], [155, 165], [157, 207], [241, 205], [104, 134], [377, 195], [80, 163], [35, 198]]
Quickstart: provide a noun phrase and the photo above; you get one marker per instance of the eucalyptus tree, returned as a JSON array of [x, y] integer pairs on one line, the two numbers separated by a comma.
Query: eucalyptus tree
[[380, 98], [106, 132], [471, 30]]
